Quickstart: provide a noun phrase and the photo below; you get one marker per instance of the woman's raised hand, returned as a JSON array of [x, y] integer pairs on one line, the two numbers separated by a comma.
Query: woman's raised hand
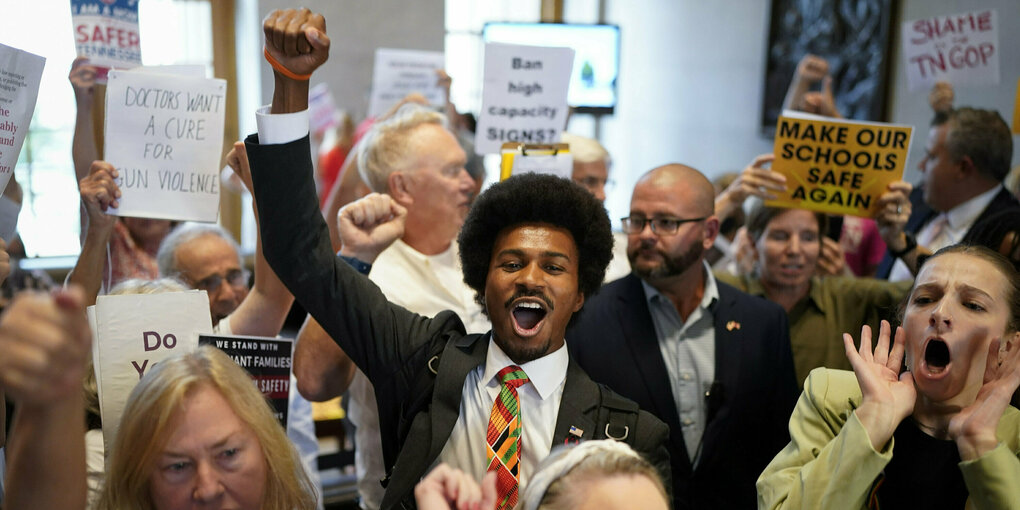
[[973, 428], [887, 395]]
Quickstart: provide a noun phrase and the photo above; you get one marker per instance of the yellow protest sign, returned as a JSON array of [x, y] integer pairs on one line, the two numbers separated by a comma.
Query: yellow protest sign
[[837, 166], [1016, 110]]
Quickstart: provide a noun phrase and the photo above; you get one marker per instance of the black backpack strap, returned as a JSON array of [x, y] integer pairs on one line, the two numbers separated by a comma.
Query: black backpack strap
[[617, 417]]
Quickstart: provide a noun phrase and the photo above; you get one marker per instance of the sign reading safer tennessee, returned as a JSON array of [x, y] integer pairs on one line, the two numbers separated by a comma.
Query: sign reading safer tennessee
[[837, 166], [106, 31]]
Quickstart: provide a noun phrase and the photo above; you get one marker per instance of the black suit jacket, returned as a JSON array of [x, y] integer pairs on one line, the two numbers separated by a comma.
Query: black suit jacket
[[920, 214], [614, 340], [418, 396]]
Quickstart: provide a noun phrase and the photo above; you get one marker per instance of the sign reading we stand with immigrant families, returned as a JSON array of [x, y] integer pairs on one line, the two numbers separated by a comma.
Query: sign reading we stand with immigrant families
[[962, 49], [106, 31], [164, 134], [837, 166], [20, 74], [524, 95], [267, 361], [132, 333]]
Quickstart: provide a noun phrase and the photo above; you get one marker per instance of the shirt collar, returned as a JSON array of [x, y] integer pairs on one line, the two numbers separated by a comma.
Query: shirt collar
[[546, 374], [967, 213], [708, 299]]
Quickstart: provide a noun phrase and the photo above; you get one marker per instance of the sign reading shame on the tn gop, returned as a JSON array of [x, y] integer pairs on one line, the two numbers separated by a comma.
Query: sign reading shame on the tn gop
[[164, 134], [132, 333], [106, 31], [398, 73], [524, 95], [837, 166], [962, 49], [267, 361], [20, 74]]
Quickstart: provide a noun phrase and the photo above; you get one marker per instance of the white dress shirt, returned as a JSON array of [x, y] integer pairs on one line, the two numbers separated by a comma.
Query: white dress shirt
[[540, 405]]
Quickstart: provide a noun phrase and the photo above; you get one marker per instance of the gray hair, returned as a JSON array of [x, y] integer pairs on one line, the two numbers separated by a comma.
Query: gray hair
[[563, 477], [585, 150], [166, 257], [140, 286], [386, 147], [983, 136]]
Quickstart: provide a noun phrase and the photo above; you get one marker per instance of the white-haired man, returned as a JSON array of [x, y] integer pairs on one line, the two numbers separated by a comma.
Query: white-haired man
[[412, 157], [591, 172]]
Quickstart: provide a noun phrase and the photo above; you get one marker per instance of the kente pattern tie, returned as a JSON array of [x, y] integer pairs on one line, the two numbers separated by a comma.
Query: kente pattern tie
[[504, 436]]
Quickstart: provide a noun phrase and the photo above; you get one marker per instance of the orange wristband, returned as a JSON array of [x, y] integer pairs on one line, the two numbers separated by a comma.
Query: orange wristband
[[283, 70]]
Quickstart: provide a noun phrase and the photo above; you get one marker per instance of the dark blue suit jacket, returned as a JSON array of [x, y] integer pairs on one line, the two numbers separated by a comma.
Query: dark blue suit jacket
[[614, 341], [920, 214]]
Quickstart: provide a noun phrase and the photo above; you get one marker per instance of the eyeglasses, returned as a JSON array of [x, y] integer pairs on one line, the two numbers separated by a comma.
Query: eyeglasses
[[661, 226], [237, 278]]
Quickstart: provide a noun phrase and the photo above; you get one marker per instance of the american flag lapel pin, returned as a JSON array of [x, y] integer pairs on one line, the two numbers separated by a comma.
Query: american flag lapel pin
[[731, 325], [576, 431]]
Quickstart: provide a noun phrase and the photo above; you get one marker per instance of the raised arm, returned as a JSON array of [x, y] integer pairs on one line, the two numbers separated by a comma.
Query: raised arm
[[265, 308], [44, 342], [757, 180], [322, 368], [83, 143], [894, 211], [99, 192]]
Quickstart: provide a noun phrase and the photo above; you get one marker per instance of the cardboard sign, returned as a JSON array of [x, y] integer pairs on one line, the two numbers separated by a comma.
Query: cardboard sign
[[552, 159], [20, 73], [962, 49], [524, 95], [106, 31], [164, 134], [837, 166], [132, 333], [400, 72], [267, 360]]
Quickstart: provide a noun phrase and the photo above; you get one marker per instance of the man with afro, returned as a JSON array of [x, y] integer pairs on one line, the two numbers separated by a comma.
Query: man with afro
[[533, 248]]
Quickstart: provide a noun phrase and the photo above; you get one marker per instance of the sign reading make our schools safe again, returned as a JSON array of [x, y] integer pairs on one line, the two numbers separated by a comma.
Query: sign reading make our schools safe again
[[524, 95], [837, 166]]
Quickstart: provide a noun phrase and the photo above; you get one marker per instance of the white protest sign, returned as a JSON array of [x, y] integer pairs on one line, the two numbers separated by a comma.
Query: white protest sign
[[135, 332], [524, 95], [322, 111], [164, 134], [106, 31], [962, 49], [20, 73], [399, 72]]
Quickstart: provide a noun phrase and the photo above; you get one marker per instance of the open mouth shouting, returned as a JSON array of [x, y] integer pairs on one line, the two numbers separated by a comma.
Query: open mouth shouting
[[936, 358], [528, 314]]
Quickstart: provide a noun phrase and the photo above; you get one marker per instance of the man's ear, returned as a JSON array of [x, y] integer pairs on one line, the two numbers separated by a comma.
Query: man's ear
[[711, 231], [967, 168], [580, 302], [399, 184]]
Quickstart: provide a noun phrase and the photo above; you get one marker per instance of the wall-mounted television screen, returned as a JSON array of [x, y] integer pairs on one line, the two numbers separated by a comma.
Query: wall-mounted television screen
[[596, 61]]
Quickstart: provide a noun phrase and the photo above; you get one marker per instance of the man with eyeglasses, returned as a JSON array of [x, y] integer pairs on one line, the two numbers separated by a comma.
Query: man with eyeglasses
[[712, 362]]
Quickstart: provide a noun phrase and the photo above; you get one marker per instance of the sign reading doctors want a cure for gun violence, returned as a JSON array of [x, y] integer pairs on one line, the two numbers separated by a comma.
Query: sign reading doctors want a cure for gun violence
[[962, 49], [164, 134], [106, 31], [837, 166], [524, 95]]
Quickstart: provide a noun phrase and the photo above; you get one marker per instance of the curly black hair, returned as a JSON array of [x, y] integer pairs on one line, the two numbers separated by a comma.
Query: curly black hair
[[534, 198]]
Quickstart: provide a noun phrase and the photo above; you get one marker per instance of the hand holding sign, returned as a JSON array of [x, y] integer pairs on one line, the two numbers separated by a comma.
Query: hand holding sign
[[99, 192], [83, 79], [44, 342], [369, 225], [893, 213], [756, 180]]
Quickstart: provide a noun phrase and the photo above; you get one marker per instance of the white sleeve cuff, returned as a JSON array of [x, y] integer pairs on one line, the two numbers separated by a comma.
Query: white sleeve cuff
[[280, 128]]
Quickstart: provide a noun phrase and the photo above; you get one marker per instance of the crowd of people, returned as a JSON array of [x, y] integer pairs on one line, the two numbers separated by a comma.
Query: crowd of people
[[505, 348]]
